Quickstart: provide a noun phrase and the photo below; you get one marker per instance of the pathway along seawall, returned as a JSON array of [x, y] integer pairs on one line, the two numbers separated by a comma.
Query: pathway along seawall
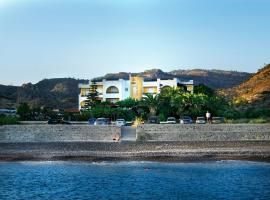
[[154, 143]]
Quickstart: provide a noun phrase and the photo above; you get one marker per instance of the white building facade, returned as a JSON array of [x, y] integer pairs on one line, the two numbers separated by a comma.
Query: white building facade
[[135, 87]]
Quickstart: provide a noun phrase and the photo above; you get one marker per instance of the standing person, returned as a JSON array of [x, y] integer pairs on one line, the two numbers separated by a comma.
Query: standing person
[[208, 117]]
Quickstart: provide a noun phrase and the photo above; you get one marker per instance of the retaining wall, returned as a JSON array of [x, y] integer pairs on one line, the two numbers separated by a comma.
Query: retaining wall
[[48, 133], [205, 132]]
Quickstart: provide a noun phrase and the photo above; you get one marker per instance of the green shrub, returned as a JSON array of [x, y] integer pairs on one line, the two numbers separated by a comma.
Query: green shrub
[[162, 117], [248, 121], [259, 121], [4, 120]]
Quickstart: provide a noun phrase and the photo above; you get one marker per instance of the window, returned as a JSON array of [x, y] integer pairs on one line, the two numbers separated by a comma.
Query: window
[[134, 90], [112, 100], [84, 92], [151, 90], [112, 89]]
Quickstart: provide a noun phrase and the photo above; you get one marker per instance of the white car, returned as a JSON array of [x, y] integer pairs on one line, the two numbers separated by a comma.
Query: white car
[[171, 120], [200, 120], [120, 122]]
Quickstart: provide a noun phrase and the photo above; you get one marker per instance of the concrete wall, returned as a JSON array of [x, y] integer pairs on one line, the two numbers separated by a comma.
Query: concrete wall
[[47, 133], [147, 132], [195, 132]]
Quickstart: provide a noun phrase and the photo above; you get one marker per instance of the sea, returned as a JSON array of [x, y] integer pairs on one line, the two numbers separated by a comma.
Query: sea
[[134, 180]]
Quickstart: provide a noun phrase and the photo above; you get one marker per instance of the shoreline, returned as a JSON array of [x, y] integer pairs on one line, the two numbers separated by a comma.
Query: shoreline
[[136, 151], [152, 159]]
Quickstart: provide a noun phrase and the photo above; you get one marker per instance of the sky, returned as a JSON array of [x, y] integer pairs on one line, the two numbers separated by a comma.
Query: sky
[[89, 38]]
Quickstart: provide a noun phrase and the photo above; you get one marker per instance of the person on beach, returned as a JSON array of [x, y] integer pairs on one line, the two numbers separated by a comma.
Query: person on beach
[[208, 117]]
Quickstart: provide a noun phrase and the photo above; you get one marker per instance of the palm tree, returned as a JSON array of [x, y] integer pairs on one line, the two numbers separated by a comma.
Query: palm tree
[[169, 100], [151, 102]]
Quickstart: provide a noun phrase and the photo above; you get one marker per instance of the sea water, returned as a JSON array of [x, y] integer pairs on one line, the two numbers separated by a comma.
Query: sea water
[[134, 180]]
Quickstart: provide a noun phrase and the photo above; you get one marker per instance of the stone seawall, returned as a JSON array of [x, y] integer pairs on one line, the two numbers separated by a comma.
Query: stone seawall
[[49, 133], [154, 143], [147, 132], [205, 132]]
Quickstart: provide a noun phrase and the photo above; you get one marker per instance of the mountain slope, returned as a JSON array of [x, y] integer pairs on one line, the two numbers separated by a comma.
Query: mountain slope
[[255, 90], [213, 78], [58, 93], [8, 95]]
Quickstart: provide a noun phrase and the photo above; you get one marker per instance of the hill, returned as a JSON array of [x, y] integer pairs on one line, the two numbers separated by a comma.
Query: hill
[[63, 93], [215, 79], [255, 90], [58, 93], [8, 95]]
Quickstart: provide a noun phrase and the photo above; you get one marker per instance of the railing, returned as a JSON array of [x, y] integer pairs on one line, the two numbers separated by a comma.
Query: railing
[[145, 93]]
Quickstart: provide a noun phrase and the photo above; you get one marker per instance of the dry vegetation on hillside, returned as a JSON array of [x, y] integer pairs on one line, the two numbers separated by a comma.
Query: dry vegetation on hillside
[[255, 91]]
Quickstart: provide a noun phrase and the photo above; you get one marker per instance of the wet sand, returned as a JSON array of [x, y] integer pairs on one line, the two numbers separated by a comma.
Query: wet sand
[[135, 151]]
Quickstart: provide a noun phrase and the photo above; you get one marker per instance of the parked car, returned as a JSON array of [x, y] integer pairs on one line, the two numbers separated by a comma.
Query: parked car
[[217, 120], [57, 121], [102, 121], [120, 122], [171, 120], [153, 120], [200, 120], [185, 120], [91, 121]]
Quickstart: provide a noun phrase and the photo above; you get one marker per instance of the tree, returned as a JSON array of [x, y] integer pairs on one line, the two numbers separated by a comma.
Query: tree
[[151, 102], [24, 111], [166, 101], [203, 89], [127, 103], [92, 96]]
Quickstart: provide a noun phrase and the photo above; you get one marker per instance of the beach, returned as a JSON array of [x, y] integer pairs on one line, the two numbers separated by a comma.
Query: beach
[[170, 151]]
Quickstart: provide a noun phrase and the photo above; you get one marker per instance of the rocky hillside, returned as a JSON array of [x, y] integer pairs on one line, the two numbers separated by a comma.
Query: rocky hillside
[[213, 78], [63, 93], [8, 95], [255, 90], [58, 93]]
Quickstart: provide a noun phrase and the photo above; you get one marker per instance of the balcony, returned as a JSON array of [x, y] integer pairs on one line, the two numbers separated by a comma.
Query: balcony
[[153, 93]]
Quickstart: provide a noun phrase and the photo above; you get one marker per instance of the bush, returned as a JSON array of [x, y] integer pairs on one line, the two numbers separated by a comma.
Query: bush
[[248, 121], [4, 120], [259, 121], [257, 112], [162, 117]]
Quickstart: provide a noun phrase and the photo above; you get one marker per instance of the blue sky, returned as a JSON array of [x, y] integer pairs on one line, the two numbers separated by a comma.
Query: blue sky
[[88, 38]]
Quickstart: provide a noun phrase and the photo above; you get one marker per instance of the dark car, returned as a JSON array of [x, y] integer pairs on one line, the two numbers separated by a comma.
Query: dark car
[[57, 121], [102, 121], [153, 120], [185, 120], [217, 120], [91, 121]]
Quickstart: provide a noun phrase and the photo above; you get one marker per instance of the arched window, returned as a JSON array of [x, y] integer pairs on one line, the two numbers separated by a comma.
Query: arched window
[[112, 89]]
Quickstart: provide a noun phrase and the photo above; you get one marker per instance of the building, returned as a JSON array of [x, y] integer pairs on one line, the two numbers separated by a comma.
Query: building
[[134, 87]]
